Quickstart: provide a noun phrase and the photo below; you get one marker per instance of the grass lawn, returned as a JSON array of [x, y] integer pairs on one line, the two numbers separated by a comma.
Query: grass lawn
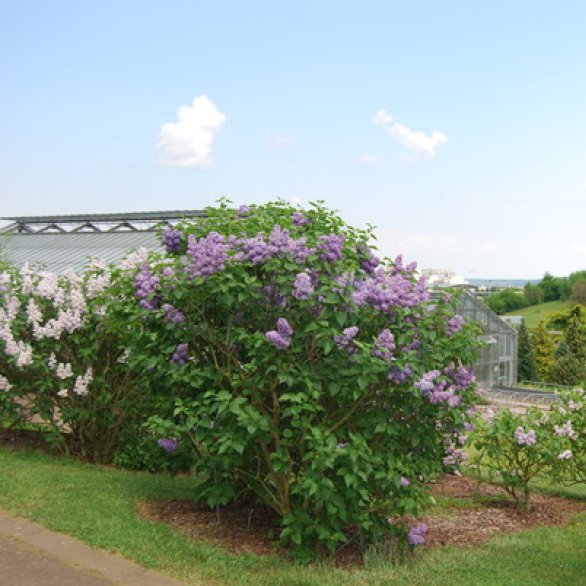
[[97, 505], [536, 313]]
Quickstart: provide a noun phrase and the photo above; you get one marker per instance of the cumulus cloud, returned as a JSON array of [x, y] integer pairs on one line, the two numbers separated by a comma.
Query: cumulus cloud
[[415, 141], [188, 142], [367, 159]]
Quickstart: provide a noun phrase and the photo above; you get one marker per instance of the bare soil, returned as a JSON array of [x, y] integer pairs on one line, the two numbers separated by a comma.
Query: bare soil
[[488, 514]]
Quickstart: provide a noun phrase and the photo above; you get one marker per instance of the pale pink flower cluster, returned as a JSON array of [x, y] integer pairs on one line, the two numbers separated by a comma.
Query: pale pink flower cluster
[[573, 406], [4, 383], [64, 371], [97, 283], [48, 288], [525, 438], [82, 382], [565, 430], [27, 287], [135, 259], [22, 352], [62, 294], [33, 312]]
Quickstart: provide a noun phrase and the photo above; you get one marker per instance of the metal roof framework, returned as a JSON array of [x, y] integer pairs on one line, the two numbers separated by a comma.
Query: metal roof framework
[[119, 222], [59, 242]]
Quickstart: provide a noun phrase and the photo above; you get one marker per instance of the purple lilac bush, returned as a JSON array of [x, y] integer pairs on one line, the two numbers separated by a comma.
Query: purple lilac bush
[[305, 373]]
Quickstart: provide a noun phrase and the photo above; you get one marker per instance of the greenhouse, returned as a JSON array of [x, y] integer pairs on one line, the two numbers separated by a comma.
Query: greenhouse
[[497, 363]]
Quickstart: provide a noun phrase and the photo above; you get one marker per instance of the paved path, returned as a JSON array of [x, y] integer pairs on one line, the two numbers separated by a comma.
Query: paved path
[[31, 555]]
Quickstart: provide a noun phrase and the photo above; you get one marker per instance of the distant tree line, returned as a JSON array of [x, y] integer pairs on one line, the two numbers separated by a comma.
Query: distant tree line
[[550, 288]]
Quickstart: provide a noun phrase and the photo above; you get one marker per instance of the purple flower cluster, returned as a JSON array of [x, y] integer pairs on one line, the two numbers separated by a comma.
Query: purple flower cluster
[[300, 219], [281, 337], [145, 284], [207, 255], [416, 535], [243, 210], [438, 391], [405, 482], [525, 439], [172, 314], [172, 239], [330, 247], [280, 243], [303, 286], [399, 375], [399, 267], [168, 444], [384, 346], [461, 377], [454, 455], [368, 261], [385, 291], [454, 325], [345, 341], [181, 354]]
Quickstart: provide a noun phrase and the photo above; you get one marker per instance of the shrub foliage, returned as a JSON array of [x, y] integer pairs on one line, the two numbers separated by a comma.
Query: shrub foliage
[[307, 375]]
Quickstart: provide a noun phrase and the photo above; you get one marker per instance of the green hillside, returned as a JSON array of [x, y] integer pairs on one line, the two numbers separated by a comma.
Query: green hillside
[[536, 313]]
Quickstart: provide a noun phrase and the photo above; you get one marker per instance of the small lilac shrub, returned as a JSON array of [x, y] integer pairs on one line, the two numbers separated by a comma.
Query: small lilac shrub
[[306, 375], [516, 447], [568, 418]]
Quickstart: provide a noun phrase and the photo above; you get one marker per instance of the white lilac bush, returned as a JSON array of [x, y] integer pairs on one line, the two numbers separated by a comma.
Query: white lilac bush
[[305, 374], [61, 359]]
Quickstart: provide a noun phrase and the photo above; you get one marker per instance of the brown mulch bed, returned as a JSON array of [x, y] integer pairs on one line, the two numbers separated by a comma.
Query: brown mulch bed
[[21, 439], [248, 530], [491, 514]]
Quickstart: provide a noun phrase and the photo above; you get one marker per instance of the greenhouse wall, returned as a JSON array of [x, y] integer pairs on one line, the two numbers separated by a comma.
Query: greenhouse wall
[[497, 362]]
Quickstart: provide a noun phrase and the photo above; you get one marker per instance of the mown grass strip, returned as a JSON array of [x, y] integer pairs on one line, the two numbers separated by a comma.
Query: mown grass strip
[[98, 505]]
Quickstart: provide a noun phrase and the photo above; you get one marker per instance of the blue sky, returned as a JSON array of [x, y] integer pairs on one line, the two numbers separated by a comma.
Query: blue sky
[[458, 128]]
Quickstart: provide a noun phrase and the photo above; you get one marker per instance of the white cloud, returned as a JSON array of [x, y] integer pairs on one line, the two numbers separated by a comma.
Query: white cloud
[[415, 141], [382, 118], [367, 159], [188, 142]]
